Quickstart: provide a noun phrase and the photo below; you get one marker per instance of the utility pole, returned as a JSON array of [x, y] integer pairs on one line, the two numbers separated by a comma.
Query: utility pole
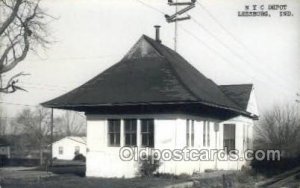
[[175, 32], [175, 17], [52, 125]]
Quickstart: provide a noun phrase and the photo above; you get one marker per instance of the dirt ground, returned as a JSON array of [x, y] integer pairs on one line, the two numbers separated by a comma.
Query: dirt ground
[[71, 177], [29, 177]]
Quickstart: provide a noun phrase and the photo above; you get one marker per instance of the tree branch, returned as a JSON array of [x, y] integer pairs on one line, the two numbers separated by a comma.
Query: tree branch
[[11, 86], [11, 18]]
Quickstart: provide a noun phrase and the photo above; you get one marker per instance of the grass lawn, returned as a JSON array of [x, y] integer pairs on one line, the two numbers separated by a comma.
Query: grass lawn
[[68, 176], [72, 181]]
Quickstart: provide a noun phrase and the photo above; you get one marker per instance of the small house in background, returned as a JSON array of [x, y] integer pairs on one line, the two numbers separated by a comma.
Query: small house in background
[[153, 98], [68, 147], [4, 149]]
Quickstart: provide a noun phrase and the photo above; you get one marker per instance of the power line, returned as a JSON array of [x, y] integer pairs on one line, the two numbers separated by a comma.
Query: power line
[[226, 60], [32, 105], [18, 104], [202, 42], [233, 36], [71, 58], [232, 51], [222, 26], [205, 44], [151, 7], [48, 85], [40, 84], [215, 37], [219, 40]]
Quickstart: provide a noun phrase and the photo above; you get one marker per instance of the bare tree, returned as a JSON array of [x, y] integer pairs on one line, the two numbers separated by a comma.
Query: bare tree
[[23, 27], [280, 129], [72, 124], [3, 123], [35, 124], [3, 126]]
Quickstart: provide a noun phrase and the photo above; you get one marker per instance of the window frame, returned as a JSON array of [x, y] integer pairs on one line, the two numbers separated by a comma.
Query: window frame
[[187, 132], [60, 150], [229, 143], [208, 134], [147, 133], [132, 133], [115, 132], [190, 133], [204, 133], [77, 148]]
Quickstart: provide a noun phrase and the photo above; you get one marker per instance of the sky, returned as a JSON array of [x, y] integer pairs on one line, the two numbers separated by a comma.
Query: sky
[[90, 36]]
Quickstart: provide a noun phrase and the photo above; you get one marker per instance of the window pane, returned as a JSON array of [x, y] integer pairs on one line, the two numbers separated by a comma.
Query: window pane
[[187, 132], [117, 127], [117, 139], [229, 136], [151, 125], [133, 137], [151, 140], [110, 127], [130, 125], [77, 149], [192, 132], [134, 125], [144, 125], [145, 139], [114, 125], [127, 139], [187, 126], [114, 129], [208, 133], [229, 131], [147, 126], [192, 140], [127, 126], [130, 132], [111, 139], [204, 133]]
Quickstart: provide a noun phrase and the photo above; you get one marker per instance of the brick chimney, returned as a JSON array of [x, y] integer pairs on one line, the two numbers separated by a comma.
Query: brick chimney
[[157, 38]]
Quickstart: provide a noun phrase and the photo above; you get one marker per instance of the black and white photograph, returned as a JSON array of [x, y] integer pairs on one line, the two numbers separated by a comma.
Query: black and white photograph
[[149, 93]]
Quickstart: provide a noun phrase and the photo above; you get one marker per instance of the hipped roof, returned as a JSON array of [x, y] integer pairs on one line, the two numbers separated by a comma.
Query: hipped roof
[[150, 73], [240, 93]]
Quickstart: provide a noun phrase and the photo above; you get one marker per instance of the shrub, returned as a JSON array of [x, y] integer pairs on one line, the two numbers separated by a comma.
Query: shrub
[[148, 166], [79, 157], [270, 168]]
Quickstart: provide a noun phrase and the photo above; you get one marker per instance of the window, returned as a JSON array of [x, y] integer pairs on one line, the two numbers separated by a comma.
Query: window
[[187, 132], [229, 137], [77, 149], [130, 132], [190, 132], [60, 150], [248, 140], [147, 132], [206, 133], [114, 132]]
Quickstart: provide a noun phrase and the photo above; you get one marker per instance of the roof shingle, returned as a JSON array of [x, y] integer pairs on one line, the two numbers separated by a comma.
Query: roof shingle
[[239, 94], [149, 73]]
